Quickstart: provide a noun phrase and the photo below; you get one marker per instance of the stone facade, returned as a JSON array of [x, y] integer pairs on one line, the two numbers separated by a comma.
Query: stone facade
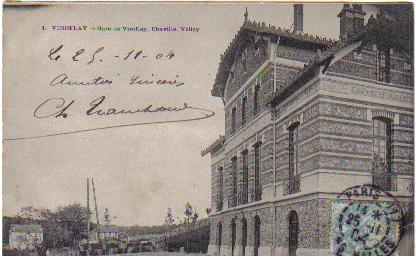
[[334, 116]]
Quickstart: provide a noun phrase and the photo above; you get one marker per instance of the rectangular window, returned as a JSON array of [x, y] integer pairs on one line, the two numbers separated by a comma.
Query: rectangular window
[[358, 56], [233, 120], [407, 66], [381, 139], [383, 65], [257, 184], [243, 110], [255, 97], [244, 185], [220, 189], [382, 153], [244, 60], [294, 181], [232, 202]]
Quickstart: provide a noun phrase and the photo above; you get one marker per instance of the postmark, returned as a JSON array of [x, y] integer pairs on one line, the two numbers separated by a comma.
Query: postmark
[[366, 221]]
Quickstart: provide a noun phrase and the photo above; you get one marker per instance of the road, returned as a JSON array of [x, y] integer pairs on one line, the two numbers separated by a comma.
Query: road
[[161, 254]]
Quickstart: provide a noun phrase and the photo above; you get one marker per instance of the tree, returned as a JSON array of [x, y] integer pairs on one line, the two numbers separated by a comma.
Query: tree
[[31, 213], [63, 227], [195, 216], [188, 212], [169, 218], [190, 215], [73, 218]]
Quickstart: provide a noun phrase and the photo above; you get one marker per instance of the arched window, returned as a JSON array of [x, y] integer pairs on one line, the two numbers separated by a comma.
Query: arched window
[[244, 235], [293, 233], [382, 152], [257, 225], [233, 235], [219, 237], [294, 185]]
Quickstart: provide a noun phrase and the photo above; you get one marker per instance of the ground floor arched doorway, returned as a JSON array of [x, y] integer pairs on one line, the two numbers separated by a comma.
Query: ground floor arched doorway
[[257, 224], [244, 236], [293, 233], [233, 236]]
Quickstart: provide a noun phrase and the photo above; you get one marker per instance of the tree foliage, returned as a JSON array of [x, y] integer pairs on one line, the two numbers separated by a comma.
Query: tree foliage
[[190, 215], [73, 219], [61, 228], [169, 220]]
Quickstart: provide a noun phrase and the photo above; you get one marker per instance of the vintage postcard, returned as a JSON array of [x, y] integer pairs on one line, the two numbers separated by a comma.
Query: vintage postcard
[[221, 129]]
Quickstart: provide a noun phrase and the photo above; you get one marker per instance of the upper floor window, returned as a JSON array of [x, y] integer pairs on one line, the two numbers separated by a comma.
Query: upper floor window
[[233, 120], [382, 139], [243, 110], [257, 181], [220, 189], [232, 74], [232, 201], [383, 65], [294, 181], [244, 59], [234, 175], [244, 183], [256, 97], [257, 52], [382, 176]]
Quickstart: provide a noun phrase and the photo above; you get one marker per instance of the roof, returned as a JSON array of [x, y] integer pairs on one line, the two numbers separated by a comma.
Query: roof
[[32, 228], [123, 234], [262, 29], [113, 241], [107, 229], [147, 236], [214, 146], [394, 20], [375, 31]]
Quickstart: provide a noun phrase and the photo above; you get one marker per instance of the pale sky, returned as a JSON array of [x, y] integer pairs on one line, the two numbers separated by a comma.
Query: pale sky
[[139, 171]]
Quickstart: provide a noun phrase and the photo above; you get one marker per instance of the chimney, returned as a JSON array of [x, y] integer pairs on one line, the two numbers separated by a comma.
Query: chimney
[[298, 17], [358, 7], [351, 20]]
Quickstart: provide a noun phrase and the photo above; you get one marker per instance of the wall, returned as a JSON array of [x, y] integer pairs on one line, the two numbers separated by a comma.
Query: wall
[[24, 241], [365, 67], [256, 56], [335, 113]]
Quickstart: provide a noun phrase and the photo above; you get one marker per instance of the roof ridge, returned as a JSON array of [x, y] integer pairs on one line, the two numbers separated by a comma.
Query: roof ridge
[[270, 28], [251, 25]]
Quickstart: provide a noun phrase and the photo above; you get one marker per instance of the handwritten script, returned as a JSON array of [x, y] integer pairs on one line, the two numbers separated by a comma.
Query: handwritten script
[[64, 108]]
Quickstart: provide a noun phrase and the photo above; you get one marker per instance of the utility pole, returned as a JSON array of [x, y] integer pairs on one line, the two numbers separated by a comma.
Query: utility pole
[[88, 217], [96, 209]]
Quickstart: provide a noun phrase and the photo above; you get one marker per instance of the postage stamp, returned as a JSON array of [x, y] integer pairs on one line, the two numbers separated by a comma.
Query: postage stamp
[[365, 221]]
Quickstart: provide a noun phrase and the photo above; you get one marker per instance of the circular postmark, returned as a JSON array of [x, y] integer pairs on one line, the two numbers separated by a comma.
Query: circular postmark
[[366, 221]]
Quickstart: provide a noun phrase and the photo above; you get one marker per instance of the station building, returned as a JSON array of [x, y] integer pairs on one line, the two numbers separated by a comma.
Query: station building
[[306, 118]]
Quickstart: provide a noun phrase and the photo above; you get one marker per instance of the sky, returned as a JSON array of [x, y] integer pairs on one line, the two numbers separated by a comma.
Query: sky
[[139, 171]]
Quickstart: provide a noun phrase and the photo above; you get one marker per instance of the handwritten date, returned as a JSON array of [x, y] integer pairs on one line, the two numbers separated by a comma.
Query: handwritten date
[[55, 54]]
